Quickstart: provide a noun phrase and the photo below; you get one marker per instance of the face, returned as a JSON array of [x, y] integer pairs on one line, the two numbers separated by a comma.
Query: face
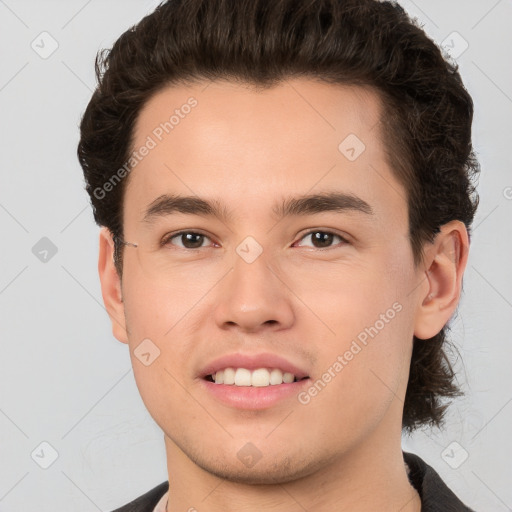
[[321, 289]]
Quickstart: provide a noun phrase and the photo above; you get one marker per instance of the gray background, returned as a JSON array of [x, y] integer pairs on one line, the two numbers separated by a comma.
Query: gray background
[[67, 383]]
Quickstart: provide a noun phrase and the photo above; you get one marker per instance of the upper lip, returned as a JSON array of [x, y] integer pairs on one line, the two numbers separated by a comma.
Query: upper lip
[[252, 362]]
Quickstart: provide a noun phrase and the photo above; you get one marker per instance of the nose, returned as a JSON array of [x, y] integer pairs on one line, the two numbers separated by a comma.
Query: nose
[[254, 297]]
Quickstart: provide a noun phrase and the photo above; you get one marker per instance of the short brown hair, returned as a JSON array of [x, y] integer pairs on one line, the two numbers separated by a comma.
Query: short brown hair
[[426, 126]]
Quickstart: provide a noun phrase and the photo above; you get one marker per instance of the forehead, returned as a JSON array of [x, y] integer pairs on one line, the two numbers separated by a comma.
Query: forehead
[[293, 110], [251, 146]]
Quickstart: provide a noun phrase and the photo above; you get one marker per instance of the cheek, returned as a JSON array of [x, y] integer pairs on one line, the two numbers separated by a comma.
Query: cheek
[[369, 340], [154, 307], [362, 372], [157, 348], [351, 295]]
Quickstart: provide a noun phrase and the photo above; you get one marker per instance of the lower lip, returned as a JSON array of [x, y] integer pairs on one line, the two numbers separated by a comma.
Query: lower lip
[[255, 398]]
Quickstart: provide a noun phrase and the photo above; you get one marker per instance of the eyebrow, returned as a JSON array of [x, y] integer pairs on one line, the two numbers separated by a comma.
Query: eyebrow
[[311, 204]]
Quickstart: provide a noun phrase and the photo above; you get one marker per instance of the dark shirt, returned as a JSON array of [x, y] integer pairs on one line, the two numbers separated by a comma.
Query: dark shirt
[[435, 495]]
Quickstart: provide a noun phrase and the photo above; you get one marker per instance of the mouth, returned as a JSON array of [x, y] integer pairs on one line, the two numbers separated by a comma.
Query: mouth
[[259, 377], [253, 381], [255, 370]]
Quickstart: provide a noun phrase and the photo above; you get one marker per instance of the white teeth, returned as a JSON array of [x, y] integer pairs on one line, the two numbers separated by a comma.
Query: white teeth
[[288, 378], [261, 377], [229, 376], [276, 377], [242, 377]]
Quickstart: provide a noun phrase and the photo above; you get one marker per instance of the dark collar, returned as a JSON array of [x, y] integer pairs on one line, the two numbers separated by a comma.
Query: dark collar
[[434, 493], [148, 501]]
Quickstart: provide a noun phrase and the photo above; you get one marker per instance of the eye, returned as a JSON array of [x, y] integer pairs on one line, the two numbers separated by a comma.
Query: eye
[[323, 239], [188, 239], [195, 240]]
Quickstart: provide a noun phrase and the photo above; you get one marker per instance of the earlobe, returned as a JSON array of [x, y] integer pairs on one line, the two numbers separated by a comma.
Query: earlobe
[[446, 261], [111, 285]]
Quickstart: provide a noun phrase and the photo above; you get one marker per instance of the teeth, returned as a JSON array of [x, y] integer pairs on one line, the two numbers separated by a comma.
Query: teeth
[[242, 377], [276, 377], [288, 378], [261, 377], [229, 376]]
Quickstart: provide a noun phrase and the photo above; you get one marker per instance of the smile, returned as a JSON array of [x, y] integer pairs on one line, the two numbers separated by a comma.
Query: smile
[[261, 377]]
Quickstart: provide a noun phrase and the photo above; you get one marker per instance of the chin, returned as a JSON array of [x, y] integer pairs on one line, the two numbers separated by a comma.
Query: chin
[[262, 473]]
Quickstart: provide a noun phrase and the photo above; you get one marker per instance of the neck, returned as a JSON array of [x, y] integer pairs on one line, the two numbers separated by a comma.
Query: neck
[[370, 477]]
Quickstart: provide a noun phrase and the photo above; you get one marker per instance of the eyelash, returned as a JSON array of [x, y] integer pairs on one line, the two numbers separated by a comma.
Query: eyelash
[[165, 241]]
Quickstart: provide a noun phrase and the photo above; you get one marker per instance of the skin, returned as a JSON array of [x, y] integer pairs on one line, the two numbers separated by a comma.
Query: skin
[[249, 149]]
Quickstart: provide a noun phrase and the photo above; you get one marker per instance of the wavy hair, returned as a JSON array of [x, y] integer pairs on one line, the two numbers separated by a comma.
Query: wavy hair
[[426, 124]]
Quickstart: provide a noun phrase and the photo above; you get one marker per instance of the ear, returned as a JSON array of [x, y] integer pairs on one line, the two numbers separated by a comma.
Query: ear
[[111, 285], [445, 262]]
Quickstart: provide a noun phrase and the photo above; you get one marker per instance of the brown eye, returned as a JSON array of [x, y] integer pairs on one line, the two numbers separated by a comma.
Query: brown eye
[[323, 239], [187, 239]]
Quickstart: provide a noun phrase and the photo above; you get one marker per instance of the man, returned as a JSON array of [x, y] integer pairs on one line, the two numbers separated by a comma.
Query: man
[[285, 194]]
